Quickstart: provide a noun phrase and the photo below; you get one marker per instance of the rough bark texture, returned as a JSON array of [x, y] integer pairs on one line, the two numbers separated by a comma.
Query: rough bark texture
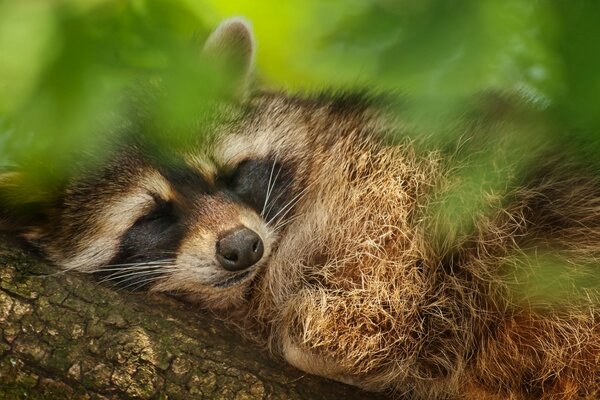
[[64, 336]]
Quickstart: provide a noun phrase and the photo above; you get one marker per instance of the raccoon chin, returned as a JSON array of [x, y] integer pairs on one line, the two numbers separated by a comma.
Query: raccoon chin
[[220, 299]]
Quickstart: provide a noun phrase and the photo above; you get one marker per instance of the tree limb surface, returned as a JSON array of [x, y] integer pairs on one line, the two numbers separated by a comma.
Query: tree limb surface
[[64, 336]]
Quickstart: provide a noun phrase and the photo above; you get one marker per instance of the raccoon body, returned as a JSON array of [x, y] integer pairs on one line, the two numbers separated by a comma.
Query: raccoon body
[[300, 222], [357, 290]]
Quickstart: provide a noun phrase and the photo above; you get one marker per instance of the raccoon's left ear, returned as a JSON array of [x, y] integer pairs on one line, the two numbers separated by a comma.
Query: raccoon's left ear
[[232, 45]]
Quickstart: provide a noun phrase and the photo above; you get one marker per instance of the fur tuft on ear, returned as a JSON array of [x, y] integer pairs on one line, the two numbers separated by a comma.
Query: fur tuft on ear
[[232, 45]]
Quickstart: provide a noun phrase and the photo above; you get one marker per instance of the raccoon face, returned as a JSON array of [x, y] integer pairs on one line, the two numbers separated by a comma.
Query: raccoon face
[[226, 216], [200, 225], [199, 233], [199, 228]]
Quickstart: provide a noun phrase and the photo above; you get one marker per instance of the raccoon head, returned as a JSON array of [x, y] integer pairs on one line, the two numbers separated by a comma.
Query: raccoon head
[[200, 223]]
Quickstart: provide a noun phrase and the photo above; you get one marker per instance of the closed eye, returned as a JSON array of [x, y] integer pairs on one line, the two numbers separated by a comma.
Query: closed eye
[[263, 184], [249, 181], [152, 235], [163, 209], [228, 176]]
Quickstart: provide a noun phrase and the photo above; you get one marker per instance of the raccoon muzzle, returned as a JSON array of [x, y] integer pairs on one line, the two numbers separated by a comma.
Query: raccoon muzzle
[[239, 249]]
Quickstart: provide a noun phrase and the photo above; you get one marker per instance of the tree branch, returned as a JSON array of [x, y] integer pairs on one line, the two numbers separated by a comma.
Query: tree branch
[[64, 336]]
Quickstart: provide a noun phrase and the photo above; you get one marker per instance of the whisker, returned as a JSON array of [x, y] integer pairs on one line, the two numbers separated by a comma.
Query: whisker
[[141, 283], [270, 185], [290, 204], [131, 264], [118, 267], [122, 271], [289, 209], [285, 207], [131, 275], [61, 271], [280, 225], [274, 201], [140, 269], [142, 256], [136, 266]]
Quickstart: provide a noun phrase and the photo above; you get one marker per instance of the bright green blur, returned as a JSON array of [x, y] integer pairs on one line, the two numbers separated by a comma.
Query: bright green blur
[[63, 62], [66, 64]]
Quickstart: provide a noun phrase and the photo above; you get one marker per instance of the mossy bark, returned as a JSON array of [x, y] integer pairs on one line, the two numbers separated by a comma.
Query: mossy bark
[[63, 336]]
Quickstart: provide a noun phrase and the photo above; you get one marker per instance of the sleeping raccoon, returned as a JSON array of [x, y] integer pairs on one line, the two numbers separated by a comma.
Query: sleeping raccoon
[[297, 218]]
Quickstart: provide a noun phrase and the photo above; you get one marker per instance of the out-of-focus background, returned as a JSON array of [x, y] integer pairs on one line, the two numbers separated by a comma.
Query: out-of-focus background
[[65, 64]]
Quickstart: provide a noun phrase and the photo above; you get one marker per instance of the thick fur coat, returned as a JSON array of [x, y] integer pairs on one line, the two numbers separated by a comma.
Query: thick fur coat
[[365, 278]]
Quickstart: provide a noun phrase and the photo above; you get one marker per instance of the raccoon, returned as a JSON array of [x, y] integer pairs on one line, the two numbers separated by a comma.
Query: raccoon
[[297, 219]]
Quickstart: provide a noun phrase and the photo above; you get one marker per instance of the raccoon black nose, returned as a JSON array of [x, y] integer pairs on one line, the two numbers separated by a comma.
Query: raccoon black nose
[[239, 249]]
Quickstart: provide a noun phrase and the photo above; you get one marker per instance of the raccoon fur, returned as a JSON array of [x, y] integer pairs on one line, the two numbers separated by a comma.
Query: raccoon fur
[[299, 221]]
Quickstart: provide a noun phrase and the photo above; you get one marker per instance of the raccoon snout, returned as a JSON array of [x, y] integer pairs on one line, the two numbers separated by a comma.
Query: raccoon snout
[[239, 249]]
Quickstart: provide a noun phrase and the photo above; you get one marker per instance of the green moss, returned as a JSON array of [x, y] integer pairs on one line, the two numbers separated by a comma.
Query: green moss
[[95, 328], [144, 382], [95, 374], [62, 357], [4, 348], [31, 347], [115, 319], [203, 383]]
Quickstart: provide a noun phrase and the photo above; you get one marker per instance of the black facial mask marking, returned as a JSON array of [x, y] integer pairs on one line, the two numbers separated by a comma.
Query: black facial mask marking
[[152, 233], [153, 238], [157, 236], [255, 179]]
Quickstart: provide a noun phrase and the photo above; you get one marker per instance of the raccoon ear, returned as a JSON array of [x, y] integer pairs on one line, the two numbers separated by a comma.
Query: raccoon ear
[[232, 45], [22, 210]]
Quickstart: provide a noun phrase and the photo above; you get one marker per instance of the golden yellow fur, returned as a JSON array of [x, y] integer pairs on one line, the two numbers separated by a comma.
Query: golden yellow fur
[[358, 291]]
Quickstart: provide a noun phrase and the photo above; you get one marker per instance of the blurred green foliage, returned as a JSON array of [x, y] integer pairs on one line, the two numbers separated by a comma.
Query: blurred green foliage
[[66, 64], [63, 63]]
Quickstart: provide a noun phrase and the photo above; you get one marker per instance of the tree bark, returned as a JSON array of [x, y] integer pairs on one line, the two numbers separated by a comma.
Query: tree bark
[[63, 336]]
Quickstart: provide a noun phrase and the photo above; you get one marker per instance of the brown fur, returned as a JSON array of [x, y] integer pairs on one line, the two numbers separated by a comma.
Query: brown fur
[[370, 280], [357, 290]]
